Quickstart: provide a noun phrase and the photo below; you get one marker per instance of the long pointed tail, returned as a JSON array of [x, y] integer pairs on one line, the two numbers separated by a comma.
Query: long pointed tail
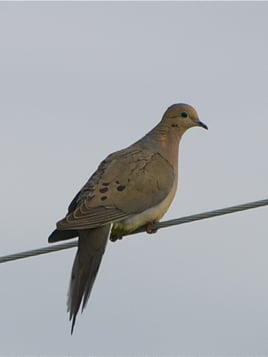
[[91, 246]]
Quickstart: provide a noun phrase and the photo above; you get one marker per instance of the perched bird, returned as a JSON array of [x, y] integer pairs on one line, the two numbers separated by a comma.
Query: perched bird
[[131, 188]]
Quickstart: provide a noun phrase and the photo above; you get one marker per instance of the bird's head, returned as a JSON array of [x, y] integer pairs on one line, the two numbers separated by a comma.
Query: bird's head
[[181, 117]]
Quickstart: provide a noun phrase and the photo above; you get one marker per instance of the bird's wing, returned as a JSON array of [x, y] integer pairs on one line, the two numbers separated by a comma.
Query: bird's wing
[[126, 183]]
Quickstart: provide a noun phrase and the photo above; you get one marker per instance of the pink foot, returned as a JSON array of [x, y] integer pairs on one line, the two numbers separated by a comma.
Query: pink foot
[[150, 229], [114, 238]]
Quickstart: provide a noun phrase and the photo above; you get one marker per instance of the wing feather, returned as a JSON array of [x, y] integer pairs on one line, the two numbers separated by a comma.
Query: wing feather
[[125, 183]]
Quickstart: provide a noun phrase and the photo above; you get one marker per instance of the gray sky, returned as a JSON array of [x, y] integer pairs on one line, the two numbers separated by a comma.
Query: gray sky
[[80, 80]]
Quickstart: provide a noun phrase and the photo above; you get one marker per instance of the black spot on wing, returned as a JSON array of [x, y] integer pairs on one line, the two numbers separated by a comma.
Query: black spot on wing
[[121, 188], [104, 189]]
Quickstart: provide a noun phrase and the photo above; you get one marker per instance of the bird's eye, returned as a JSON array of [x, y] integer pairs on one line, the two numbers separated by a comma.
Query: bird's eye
[[184, 114]]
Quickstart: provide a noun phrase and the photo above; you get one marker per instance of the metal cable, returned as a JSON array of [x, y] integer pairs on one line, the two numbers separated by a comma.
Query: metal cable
[[165, 224]]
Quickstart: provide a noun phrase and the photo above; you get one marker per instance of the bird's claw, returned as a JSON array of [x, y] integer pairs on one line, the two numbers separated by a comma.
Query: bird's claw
[[150, 229], [114, 238]]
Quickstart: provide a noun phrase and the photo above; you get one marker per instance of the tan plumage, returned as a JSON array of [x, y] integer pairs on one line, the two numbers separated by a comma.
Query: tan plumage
[[131, 188]]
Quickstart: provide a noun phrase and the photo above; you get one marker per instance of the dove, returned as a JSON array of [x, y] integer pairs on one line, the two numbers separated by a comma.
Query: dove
[[131, 188]]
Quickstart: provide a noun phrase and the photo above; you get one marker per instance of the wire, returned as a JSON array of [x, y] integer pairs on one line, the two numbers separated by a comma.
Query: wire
[[39, 251], [159, 225]]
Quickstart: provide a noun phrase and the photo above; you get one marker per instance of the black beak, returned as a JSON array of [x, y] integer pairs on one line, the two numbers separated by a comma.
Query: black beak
[[203, 125]]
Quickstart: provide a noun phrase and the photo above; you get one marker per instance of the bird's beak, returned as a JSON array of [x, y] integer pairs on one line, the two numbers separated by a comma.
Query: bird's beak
[[203, 125]]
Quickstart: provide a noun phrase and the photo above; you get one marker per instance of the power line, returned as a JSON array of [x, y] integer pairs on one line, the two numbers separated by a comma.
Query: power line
[[165, 224], [39, 251]]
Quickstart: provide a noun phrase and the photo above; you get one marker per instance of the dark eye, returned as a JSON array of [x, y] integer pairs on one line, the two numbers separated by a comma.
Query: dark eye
[[184, 114]]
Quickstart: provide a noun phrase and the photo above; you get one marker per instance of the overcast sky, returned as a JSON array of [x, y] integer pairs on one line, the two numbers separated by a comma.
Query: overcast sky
[[81, 80]]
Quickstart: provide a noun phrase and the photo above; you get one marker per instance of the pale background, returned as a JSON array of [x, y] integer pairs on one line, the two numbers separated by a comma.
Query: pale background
[[80, 80]]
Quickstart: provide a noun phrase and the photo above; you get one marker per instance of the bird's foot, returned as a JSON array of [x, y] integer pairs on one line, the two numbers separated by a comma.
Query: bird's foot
[[150, 229], [114, 237]]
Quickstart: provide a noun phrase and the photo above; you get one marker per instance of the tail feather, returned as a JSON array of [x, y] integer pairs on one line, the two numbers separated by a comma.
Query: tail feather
[[91, 246], [57, 235]]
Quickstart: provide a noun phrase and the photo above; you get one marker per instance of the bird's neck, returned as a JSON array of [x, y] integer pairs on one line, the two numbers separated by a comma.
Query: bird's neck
[[166, 142]]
